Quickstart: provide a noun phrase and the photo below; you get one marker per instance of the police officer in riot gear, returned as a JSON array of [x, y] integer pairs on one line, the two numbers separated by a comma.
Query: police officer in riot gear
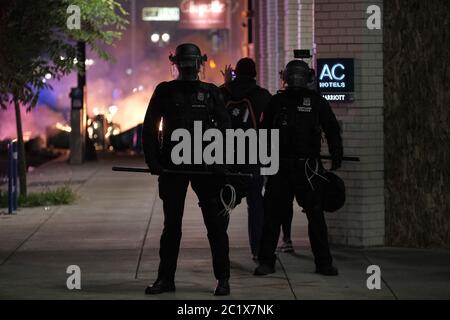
[[300, 114], [178, 104]]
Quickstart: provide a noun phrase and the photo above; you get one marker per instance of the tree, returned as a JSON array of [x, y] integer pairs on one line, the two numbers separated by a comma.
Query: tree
[[416, 123], [35, 41]]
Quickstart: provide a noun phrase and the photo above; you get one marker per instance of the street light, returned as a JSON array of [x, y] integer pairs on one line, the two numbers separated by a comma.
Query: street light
[[113, 110], [165, 37], [154, 37]]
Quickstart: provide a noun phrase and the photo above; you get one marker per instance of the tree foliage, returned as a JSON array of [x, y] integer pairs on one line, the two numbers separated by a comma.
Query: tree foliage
[[35, 41]]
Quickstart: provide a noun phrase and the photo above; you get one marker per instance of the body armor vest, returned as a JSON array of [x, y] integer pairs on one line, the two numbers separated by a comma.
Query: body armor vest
[[298, 121]]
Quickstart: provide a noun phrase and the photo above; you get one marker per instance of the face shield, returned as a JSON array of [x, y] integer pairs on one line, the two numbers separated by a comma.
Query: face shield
[[297, 74], [187, 69], [297, 80]]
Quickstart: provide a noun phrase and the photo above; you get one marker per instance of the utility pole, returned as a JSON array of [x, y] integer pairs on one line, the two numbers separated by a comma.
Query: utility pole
[[133, 43], [78, 110]]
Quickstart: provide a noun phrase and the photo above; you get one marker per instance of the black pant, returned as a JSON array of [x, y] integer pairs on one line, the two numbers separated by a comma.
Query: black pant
[[286, 222], [172, 191], [255, 206], [281, 188]]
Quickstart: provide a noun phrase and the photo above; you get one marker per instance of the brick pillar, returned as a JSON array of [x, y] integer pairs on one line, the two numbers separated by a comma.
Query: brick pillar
[[297, 27], [270, 36], [341, 32], [272, 44], [282, 26], [261, 39]]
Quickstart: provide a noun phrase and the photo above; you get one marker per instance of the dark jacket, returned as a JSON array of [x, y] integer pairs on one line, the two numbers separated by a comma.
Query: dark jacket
[[180, 103], [246, 87], [301, 115]]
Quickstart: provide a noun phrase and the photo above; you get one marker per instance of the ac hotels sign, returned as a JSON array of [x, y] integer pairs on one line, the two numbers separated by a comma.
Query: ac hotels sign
[[336, 79]]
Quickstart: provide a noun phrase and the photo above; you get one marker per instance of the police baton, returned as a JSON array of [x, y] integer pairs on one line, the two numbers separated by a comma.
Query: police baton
[[353, 159], [184, 172]]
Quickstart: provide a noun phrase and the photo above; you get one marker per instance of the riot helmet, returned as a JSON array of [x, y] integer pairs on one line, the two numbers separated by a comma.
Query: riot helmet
[[297, 74], [333, 192], [188, 59]]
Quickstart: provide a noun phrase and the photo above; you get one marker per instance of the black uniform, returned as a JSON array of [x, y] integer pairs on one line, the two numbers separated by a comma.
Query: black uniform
[[300, 115], [180, 103]]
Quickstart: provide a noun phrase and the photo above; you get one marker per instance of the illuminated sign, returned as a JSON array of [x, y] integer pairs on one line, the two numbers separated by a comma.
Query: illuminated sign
[[161, 14], [336, 79], [204, 14]]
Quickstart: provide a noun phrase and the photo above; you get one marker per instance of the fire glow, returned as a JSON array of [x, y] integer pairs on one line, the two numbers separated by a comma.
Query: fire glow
[[110, 89], [63, 127]]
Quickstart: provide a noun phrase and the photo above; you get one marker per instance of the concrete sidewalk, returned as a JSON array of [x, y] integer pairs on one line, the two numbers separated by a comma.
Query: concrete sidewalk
[[112, 233]]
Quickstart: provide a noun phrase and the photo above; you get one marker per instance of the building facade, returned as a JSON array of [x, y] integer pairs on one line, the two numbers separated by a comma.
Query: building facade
[[336, 29]]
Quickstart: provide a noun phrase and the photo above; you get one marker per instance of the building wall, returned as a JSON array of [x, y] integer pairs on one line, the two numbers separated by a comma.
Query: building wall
[[338, 28], [341, 32]]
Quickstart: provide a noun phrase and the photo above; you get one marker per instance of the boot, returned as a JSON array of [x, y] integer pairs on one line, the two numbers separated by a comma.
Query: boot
[[160, 286], [223, 288], [327, 270], [263, 270]]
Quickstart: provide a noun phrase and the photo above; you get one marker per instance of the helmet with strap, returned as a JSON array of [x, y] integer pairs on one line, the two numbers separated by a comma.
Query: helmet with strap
[[297, 74], [188, 59]]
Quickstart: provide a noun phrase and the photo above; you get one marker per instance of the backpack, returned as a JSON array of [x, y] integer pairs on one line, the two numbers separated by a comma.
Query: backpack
[[241, 112]]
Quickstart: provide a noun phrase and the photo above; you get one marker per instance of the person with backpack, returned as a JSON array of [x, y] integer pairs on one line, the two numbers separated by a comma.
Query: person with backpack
[[178, 104], [245, 102]]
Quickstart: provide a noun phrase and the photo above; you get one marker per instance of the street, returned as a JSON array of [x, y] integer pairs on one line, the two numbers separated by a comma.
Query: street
[[112, 233]]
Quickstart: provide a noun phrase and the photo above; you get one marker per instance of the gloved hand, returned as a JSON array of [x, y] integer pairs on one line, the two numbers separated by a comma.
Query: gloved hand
[[336, 163], [156, 168]]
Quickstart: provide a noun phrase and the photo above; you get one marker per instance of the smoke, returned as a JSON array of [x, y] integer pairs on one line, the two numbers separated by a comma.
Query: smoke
[[118, 84], [111, 84], [34, 122]]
